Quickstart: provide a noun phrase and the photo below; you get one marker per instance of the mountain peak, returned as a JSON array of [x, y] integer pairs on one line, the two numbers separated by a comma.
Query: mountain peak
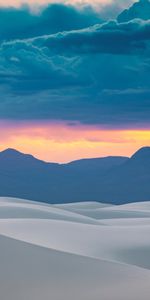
[[14, 156], [143, 153], [10, 151], [139, 10]]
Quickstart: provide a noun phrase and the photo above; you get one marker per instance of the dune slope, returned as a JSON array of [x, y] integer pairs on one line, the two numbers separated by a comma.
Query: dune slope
[[63, 253]]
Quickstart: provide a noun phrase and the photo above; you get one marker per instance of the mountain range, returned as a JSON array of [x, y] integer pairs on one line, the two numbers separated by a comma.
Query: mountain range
[[110, 179]]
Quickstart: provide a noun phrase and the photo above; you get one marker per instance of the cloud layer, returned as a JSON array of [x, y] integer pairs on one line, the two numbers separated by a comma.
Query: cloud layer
[[19, 23], [65, 64]]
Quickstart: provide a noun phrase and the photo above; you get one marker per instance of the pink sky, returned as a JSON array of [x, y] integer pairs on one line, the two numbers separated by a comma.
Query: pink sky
[[59, 142], [34, 2]]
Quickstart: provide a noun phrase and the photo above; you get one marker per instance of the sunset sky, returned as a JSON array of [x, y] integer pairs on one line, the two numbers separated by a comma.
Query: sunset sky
[[74, 78]]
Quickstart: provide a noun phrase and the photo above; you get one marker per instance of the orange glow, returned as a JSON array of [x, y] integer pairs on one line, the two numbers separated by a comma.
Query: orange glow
[[59, 142]]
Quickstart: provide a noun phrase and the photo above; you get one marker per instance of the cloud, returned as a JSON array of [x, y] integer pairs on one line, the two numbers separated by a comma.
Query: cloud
[[64, 59], [96, 75], [139, 10], [25, 68], [112, 9], [111, 37], [22, 22]]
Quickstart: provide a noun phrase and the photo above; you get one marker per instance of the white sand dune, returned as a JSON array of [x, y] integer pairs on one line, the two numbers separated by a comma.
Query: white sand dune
[[101, 211], [142, 206], [113, 243], [82, 206], [53, 252], [29, 272], [127, 221], [88, 209], [18, 208]]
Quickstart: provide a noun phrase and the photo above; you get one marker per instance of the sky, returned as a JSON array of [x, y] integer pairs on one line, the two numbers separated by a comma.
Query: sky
[[17, 3], [75, 78]]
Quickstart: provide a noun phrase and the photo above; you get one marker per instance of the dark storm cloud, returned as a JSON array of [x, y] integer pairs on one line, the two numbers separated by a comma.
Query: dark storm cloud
[[100, 74], [26, 68], [66, 59], [19, 23], [105, 108], [118, 38]]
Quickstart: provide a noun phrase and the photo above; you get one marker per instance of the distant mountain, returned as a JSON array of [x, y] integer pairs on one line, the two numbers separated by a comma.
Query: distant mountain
[[109, 179], [142, 155], [130, 181], [139, 10], [99, 165]]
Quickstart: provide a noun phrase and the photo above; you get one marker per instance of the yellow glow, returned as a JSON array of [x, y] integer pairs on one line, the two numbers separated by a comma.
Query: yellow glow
[[62, 143]]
